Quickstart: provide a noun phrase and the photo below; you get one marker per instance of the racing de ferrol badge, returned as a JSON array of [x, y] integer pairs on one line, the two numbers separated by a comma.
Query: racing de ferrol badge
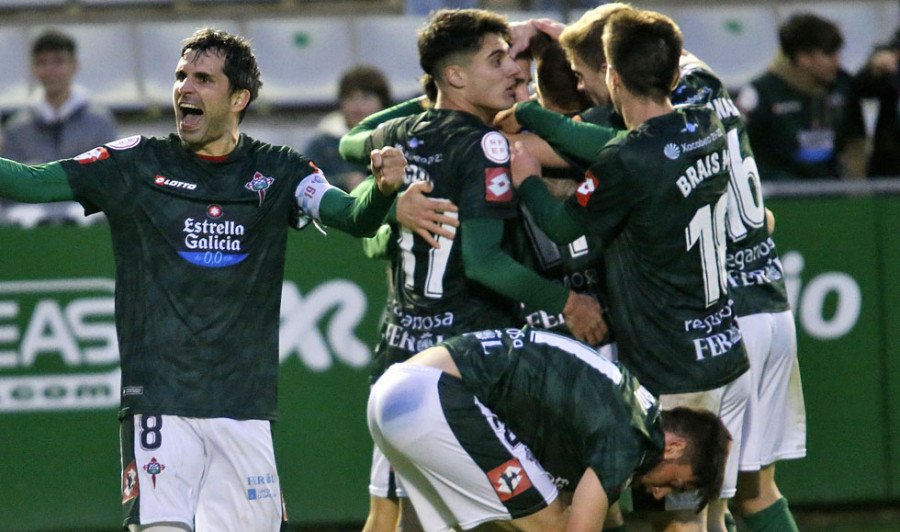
[[259, 184]]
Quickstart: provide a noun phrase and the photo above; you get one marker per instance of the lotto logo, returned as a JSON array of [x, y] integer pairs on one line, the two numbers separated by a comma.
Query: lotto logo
[[509, 479], [497, 185], [587, 187]]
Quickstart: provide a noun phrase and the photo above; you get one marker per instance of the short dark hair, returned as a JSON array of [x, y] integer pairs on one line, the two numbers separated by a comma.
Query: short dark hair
[[707, 450], [454, 32], [555, 80], [805, 32], [240, 64], [365, 78], [644, 47], [53, 41]]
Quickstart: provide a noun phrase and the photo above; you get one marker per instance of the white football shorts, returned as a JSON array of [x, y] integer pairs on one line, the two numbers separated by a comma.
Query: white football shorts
[[775, 424], [215, 474]]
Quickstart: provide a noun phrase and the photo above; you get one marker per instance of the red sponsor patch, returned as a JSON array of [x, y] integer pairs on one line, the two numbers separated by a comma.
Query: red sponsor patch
[[586, 188], [97, 154], [130, 487], [509, 479], [497, 184]]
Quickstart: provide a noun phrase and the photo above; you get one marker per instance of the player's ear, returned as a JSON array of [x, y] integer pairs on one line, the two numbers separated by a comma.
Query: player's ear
[[675, 446], [455, 76], [239, 100]]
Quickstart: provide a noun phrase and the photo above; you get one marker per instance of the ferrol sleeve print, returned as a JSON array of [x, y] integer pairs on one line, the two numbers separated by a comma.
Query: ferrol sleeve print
[[199, 246]]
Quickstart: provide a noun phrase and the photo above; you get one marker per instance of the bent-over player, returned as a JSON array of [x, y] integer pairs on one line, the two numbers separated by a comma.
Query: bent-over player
[[534, 428]]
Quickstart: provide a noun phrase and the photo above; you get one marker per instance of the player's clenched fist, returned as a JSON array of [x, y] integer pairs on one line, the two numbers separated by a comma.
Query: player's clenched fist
[[389, 168]]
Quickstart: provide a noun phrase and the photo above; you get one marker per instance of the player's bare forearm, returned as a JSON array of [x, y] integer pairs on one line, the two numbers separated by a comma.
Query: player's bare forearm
[[589, 505]]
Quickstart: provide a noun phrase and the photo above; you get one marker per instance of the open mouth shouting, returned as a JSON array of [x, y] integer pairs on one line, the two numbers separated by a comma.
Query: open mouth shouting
[[189, 116]]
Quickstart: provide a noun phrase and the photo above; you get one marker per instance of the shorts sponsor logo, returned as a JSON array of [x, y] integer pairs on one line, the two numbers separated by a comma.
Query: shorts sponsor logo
[[97, 154], [509, 479], [586, 189], [495, 147], [126, 143], [260, 183], [497, 185], [154, 468], [130, 486]]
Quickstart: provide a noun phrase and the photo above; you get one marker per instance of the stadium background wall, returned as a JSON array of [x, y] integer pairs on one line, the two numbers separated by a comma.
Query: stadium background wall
[[58, 371]]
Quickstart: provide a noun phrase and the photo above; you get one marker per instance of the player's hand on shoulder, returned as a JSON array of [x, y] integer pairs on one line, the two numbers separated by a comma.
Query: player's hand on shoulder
[[506, 121], [585, 319], [388, 168], [522, 163], [427, 217]]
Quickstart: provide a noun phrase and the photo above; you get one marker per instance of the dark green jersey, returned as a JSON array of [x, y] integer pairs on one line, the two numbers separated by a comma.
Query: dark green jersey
[[577, 265], [199, 246], [798, 133], [658, 198], [572, 407], [755, 274], [468, 163]]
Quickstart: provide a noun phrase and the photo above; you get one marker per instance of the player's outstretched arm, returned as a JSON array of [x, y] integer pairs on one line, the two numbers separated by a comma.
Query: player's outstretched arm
[[353, 145], [40, 183], [362, 213]]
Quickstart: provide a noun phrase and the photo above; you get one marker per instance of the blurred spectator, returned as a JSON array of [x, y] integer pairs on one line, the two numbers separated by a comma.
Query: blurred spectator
[[876, 99], [61, 122], [796, 111], [363, 90]]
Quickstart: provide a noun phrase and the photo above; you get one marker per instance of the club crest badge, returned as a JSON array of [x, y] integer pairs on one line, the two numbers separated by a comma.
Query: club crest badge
[[154, 468], [259, 184]]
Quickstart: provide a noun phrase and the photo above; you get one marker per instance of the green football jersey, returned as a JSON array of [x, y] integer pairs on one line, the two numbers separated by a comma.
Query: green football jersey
[[755, 274], [199, 245], [658, 198], [577, 265], [468, 163], [798, 134], [573, 408]]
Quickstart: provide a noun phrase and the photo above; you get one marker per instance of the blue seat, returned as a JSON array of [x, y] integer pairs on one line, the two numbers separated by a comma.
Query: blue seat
[[158, 49], [389, 43], [301, 59], [738, 42], [14, 64]]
